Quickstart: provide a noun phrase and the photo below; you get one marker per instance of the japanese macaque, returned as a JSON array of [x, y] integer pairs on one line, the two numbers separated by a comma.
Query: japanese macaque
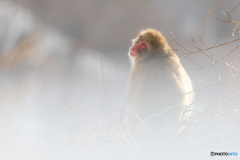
[[159, 89]]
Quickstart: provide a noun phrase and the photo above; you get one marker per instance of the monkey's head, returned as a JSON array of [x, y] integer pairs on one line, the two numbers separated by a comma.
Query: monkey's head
[[149, 42]]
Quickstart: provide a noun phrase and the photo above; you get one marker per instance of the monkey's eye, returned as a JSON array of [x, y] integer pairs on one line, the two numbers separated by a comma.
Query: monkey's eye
[[141, 41]]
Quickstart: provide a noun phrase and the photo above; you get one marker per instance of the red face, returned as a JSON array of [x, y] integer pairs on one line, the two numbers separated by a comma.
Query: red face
[[135, 50]]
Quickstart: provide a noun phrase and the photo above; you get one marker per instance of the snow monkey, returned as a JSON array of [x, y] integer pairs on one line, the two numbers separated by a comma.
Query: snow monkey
[[159, 89]]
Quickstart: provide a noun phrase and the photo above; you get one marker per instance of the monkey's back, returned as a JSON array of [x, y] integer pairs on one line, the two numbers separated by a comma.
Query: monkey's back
[[157, 88]]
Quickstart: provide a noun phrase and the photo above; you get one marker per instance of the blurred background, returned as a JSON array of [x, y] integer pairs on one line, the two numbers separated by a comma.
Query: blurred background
[[64, 68]]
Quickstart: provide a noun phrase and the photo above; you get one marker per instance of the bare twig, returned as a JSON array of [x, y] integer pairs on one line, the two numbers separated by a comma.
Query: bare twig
[[200, 37], [213, 47], [179, 43], [229, 18], [206, 21], [103, 81], [216, 61]]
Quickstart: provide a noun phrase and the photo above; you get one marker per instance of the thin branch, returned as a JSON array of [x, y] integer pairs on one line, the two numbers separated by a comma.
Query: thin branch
[[234, 8], [205, 24], [179, 43], [213, 47], [200, 37], [198, 47], [103, 81], [228, 21], [216, 61]]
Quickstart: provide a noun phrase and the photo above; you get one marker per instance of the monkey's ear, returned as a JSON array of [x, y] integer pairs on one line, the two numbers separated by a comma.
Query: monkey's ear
[[164, 50]]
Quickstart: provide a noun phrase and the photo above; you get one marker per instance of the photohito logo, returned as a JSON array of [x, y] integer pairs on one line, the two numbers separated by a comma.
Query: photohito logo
[[223, 153]]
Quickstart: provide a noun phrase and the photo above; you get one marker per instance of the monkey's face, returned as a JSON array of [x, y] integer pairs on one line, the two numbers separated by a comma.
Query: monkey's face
[[138, 48], [149, 43]]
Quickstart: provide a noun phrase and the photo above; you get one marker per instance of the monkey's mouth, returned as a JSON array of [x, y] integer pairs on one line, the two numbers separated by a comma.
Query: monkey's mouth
[[133, 54]]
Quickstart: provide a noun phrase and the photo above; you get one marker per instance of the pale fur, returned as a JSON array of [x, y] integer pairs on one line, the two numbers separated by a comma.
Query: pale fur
[[157, 82]]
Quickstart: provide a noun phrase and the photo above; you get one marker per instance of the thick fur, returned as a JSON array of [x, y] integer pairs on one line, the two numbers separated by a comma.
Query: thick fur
[[158, 84]]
